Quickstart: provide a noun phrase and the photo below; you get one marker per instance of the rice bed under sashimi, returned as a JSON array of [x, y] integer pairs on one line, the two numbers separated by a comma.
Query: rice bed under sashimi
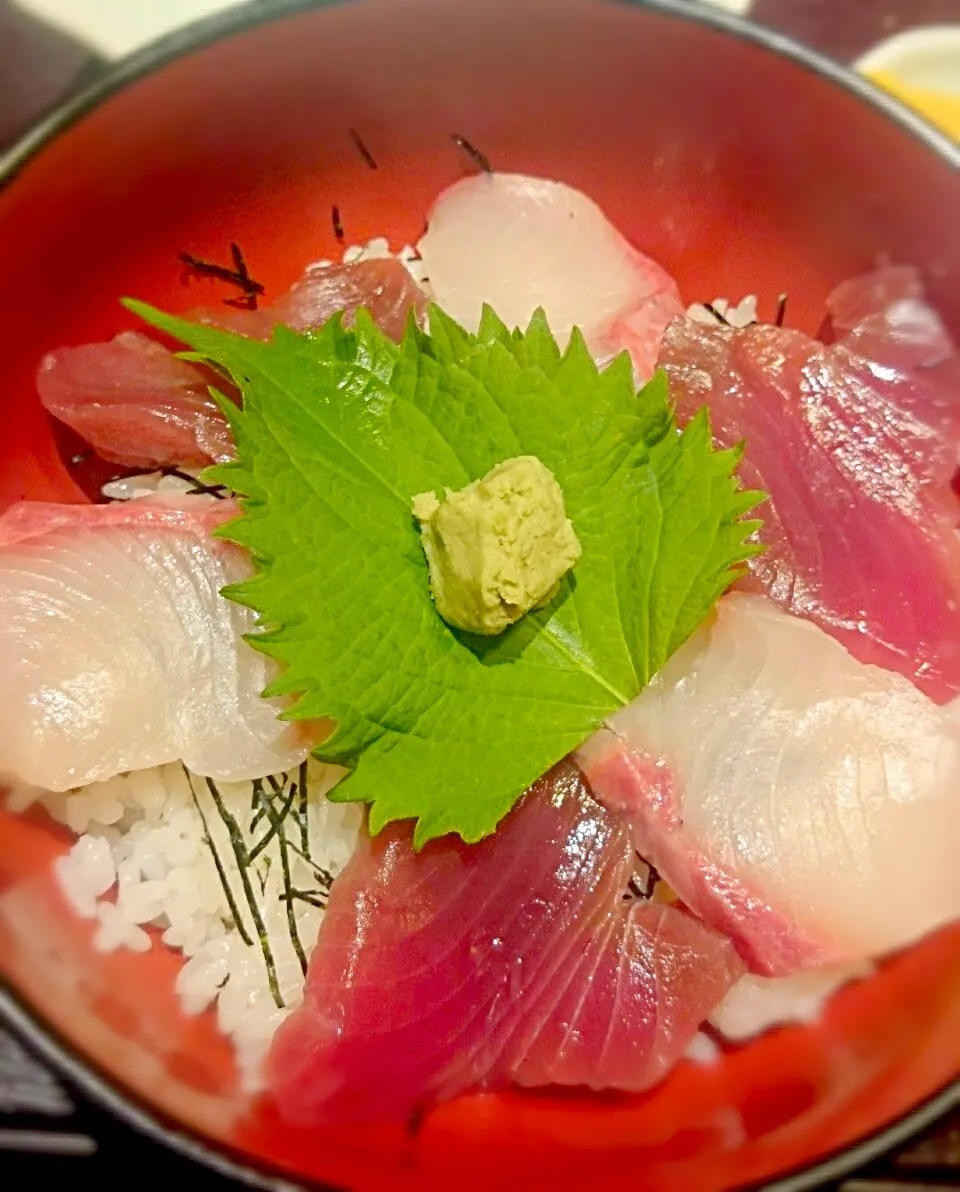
[[722, 850]]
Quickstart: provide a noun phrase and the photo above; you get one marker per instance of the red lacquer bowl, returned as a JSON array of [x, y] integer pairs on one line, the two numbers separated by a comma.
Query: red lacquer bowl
[[743, 165]]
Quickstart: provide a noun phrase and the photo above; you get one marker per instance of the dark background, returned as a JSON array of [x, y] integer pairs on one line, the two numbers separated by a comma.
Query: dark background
[[51, 1133]]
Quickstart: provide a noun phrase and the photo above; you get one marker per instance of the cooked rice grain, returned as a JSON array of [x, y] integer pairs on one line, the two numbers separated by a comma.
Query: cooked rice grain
[[141, 862]]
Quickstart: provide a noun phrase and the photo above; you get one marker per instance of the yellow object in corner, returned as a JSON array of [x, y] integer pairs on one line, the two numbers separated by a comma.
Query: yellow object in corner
[[940, 109], [921, 67]]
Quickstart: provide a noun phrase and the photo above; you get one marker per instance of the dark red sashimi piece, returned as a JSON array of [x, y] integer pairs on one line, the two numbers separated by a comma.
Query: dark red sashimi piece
[[634, 1002], [463, 966], [382, 286], [135, 403], [141, 407], [856, 443]]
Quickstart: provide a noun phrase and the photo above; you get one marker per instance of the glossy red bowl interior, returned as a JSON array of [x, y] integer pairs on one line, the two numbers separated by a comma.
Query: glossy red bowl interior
[[742, 168]]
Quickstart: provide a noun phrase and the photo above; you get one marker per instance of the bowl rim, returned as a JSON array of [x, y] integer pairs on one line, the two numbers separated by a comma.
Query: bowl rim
[[250, 15], [45, 1040]]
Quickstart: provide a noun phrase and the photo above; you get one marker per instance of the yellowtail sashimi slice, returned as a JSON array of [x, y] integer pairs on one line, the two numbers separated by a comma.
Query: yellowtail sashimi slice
[[787, 792], [118, 651]]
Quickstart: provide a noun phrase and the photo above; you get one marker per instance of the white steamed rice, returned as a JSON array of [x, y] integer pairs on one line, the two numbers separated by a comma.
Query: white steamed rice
[[141, 861]]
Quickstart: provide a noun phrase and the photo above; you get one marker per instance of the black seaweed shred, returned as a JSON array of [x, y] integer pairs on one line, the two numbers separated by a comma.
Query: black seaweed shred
[[362, 149], [716, 314], [221, 872], [256, 804], [211, 490], [240, 852], [276, 824], [277, 819], [337, 224], [313, 897], [478, 158], [291, 912], [302, 812], [238, 276], [273, 800], [644, 888]]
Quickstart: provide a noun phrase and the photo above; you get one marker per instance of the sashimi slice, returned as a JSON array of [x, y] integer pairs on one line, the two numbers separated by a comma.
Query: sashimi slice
[[856, 443], [135, 403], [516, 958], [119, 653], [383, 286], [518, 243], [139, 406], [784, 790], [632, 1004]]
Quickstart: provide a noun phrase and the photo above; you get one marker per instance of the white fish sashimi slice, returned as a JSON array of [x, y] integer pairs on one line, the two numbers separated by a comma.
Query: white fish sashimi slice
[[518, 243], [787, 791], [119, 653]]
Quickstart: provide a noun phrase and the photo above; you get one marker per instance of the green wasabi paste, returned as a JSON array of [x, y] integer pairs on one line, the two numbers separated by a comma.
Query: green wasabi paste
[[497, 548]]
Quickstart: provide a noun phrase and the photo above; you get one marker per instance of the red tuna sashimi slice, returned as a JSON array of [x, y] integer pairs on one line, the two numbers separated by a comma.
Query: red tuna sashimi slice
[[383, 286], [139, 406], [470, 966], [856, 443], [518, 243], [118, 651], [786, 791], [632, 1004], [135, 403]]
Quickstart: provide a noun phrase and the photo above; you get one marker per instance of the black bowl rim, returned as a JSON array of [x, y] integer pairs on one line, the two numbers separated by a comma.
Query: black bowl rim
[[82, 1070]]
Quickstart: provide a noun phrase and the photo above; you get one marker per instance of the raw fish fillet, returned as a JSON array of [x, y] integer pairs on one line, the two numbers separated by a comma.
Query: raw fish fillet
[[515, 959], [856, 443], [518, 243], [135, 403], [383, 286], [119, 653], [785, 791], [138, 405]]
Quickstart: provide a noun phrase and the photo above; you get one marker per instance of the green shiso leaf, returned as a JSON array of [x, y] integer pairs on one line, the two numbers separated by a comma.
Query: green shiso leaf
[[340, 428]]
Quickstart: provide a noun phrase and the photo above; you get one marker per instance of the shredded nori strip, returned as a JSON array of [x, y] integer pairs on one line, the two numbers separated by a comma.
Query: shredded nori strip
[[212, 490], [314, 897], [238, 276], [644, 889], [221, 872], [240, 851], [302, 812], [265, 808], [362, 149], [256, 804], [478, 158], [781, 310], [716, 314], [337, 224], [291, 913], [323, 878], [275, 825]]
